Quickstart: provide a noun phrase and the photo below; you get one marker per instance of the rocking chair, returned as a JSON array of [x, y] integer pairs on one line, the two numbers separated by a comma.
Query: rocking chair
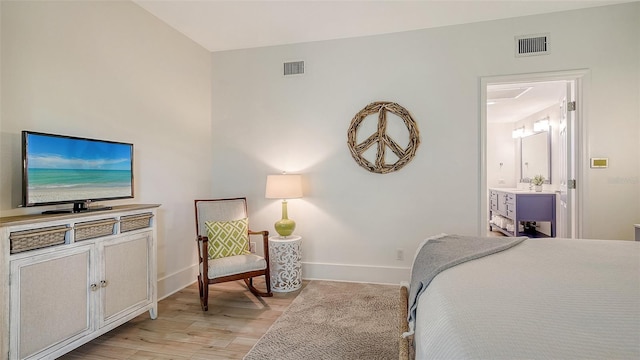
[[225, 256]]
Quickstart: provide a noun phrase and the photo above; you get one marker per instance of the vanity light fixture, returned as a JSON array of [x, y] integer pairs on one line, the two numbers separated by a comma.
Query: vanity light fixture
[[541, 125], [518, 133]]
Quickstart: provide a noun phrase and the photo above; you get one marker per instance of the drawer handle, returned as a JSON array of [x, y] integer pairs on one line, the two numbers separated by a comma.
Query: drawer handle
[[104, 283], [94, 287]]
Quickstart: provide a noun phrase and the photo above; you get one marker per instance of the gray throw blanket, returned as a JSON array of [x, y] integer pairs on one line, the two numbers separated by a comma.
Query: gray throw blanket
[[444, 251]]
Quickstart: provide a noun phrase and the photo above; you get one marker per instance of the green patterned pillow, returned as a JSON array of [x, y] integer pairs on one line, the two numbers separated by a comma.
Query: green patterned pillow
[[227, 238]]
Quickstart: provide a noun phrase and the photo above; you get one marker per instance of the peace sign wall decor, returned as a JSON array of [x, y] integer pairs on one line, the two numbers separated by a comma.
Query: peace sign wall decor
[[382, 139]]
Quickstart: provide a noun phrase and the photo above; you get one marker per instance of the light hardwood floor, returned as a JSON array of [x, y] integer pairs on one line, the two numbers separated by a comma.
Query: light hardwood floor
[[234, 323]]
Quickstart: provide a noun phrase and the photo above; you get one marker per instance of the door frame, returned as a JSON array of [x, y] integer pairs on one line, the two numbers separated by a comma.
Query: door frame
[[581, 78]]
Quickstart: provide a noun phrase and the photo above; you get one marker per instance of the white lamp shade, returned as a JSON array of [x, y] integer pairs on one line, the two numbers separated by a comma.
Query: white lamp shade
[[284, 187]]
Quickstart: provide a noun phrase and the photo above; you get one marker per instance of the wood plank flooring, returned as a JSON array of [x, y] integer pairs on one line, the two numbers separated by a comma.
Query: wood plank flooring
[[234, 323]]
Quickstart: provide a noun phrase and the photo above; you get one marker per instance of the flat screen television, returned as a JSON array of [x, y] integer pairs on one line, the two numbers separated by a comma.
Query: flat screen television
[[59, 169]]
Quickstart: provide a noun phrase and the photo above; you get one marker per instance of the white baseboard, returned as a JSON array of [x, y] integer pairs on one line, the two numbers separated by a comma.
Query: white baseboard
[[355, 273], [177, 281]]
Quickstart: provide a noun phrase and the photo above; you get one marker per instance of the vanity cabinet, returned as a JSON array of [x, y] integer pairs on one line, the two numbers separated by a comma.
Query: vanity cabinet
[[73, 277], [508, 208]]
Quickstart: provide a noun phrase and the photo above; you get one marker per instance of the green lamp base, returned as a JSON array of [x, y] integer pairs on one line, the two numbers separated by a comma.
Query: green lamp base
[[285, 227]]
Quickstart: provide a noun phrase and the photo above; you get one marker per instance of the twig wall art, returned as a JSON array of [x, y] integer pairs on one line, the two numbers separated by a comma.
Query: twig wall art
[[382, 139]]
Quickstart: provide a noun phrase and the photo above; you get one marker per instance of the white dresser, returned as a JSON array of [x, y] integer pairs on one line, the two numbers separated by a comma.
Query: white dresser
[[73, 277]]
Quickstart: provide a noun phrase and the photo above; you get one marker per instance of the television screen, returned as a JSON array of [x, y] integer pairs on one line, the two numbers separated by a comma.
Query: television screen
[[64, 169]]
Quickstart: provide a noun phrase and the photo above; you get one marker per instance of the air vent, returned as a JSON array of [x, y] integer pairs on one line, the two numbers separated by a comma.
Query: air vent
[[294, 68], [529, 45]]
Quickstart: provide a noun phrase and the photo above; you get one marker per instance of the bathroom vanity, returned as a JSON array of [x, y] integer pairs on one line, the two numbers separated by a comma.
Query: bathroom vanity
[[509, 209]]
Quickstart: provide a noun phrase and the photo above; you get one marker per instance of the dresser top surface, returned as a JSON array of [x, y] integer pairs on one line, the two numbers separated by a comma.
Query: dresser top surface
[[37, 218]]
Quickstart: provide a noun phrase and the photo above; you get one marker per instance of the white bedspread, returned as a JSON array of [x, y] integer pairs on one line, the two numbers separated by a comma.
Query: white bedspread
[[545, 298]]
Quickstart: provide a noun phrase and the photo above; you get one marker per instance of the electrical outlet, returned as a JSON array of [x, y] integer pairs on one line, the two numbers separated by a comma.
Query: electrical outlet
[[252, 247], [399, 254]]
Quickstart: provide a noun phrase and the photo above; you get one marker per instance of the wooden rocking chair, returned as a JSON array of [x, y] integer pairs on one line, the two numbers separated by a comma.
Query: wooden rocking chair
[[245, 266]]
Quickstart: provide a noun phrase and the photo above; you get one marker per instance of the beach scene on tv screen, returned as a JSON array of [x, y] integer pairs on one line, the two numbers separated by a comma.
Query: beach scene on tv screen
[[65, 169]]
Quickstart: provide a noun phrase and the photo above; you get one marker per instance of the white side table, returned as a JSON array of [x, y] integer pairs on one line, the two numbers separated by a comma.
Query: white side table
[[285, 254]]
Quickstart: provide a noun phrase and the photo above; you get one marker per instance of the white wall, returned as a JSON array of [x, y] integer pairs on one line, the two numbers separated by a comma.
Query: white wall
[[503, 166], [353, 221], [110, 70]]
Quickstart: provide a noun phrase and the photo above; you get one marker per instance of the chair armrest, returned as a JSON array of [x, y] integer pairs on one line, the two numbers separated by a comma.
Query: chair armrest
[[265, 242]]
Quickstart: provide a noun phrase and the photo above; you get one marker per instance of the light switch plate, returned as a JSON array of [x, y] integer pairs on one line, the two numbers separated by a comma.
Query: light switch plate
[[599, 163]]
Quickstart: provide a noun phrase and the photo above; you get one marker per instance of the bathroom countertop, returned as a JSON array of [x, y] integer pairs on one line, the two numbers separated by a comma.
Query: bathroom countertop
[[523, 191]]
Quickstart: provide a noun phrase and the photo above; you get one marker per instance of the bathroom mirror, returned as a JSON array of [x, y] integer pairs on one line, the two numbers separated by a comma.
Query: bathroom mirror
[[535, 157]]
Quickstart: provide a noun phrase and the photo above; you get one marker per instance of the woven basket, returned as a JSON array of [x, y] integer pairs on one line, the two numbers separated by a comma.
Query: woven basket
[[134, 222], [93, 229], [37, 238]]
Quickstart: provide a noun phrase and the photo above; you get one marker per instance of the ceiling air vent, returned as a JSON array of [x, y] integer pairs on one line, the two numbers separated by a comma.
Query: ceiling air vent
[[529, 45], [294, 68]]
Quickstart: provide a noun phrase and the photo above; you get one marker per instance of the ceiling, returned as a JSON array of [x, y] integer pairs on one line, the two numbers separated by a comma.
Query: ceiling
[[513, 102], [227, 25]]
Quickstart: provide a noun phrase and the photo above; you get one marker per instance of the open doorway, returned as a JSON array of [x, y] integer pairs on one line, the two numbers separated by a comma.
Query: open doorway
[[529, 129]]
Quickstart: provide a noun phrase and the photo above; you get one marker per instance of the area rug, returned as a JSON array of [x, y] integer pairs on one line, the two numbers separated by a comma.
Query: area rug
[[335, 320]]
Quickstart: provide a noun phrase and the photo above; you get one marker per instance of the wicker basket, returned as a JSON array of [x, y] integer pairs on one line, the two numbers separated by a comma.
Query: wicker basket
[[93, 229], [37, 238], [134, 222]]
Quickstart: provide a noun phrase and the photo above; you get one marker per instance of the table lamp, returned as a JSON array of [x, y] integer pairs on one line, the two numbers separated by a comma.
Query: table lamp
[[284, 187]]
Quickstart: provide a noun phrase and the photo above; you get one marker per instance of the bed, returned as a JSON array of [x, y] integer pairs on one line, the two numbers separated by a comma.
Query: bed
[[519, 298]]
